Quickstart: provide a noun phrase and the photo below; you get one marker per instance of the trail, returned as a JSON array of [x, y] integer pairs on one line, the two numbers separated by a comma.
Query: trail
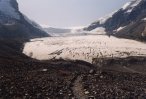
[[131, 70], [78, 89]]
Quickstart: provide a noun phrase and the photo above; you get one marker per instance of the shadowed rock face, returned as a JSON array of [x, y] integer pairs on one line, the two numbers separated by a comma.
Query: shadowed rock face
[[14, 4], [13, 24], [130, 18]]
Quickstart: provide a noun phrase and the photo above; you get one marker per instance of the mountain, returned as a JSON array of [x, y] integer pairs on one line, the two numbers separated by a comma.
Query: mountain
[[13, 24], [57, 31], [128, 22], [65, 32]]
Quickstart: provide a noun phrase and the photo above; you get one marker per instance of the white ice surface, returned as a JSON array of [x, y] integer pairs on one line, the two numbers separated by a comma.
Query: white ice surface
[[98, 30], [83, 47]]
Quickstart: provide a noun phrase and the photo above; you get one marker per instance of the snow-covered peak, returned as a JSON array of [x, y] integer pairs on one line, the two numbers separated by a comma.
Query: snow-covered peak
[[7, 9], [129, 6]]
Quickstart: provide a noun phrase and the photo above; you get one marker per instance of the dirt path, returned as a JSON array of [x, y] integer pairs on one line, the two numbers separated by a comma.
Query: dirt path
[[78, 89]]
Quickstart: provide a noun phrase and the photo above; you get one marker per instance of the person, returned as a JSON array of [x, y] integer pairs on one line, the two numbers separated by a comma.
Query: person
[[109, 35]]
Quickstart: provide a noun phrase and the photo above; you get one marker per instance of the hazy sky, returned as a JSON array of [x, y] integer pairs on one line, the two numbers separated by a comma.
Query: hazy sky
[[68, 13]]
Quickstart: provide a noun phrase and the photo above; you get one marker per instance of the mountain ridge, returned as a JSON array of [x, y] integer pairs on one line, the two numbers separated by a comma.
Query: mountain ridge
[[124, 19], [13, 24]]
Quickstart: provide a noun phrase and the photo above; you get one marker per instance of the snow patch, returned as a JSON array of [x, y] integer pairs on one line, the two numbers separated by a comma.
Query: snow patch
[[126, 5], [131, 5], [44, 26], [102, 20], [120, 28], [7, 9], [144, 19]]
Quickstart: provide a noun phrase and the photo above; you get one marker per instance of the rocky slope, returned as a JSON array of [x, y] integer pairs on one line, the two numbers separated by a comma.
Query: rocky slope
[[13, 24], [61, 79], [128, 22]]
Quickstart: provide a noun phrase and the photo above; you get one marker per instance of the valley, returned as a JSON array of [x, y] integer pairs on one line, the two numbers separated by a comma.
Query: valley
[[105, 60]]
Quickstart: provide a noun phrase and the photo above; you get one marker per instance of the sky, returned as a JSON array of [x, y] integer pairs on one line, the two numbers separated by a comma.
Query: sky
[[68, 13]]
